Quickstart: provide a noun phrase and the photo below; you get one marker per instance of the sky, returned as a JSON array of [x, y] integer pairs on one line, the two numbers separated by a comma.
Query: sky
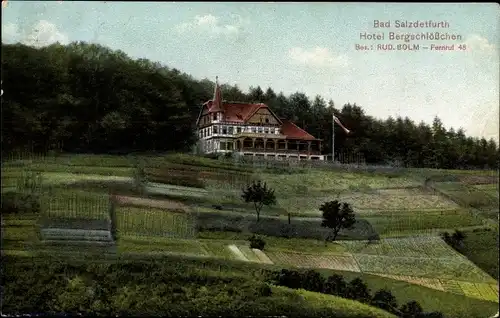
[[310, 47]]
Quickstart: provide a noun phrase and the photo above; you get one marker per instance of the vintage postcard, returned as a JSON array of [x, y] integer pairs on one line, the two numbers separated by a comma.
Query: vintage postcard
[[285, 159]]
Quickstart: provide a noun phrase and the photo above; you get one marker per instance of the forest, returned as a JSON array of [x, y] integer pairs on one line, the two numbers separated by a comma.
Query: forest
[[86, 98]]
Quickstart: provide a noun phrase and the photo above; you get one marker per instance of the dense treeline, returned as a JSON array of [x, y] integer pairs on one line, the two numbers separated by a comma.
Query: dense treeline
[[88, 98]]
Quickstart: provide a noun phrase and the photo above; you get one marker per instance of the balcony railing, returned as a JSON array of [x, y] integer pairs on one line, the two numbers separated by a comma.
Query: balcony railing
[[284, 151]]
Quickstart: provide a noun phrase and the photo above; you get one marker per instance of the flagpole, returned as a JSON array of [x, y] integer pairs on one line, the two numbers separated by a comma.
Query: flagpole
[[333, 138]]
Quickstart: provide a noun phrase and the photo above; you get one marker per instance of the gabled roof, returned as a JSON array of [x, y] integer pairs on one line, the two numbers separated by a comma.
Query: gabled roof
[[239, 112], [293, 131]]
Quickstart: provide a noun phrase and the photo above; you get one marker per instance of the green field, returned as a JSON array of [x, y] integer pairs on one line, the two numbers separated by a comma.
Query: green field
[[395, 206]]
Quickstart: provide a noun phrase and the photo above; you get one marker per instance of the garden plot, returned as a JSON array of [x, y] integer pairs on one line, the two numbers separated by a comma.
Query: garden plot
[[337, 262], [433, 283], [318, 180], [167, 189], [237, 253], [151, 221], [491, 189], [479, 290], [394, 199], [65, 177], [249, 253], [154, 244], [61, 203], [262, 256], [398, 200], [217, 249], [404, 224], [452, 286], [159, 204], [451, 268], [420, 246]]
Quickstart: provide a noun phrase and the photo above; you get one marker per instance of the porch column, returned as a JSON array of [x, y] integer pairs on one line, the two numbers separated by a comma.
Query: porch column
[[286, 144], [275, 145], [253, 143], [309, 148], [265, 144]]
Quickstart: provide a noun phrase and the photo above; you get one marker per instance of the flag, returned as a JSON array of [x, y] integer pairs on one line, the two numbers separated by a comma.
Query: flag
[[347, 131]]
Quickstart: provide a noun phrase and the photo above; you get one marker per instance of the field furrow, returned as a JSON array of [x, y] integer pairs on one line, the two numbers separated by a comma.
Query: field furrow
[[487, 292], [249, 254], [262, 256], [344, 262], [430, 246], [456, 268], [452, 286], [422, 281], [237, 253]]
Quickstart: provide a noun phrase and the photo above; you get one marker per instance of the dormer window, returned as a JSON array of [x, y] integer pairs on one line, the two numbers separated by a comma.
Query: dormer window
[[267, 120], [215, 116]]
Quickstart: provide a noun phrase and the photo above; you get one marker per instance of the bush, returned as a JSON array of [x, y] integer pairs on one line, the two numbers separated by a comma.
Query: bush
[[257, 242], [20, 203], [384, 299], [411, 309], [335, 285]]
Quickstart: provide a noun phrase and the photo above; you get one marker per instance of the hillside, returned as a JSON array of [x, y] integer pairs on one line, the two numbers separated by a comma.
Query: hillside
[[88, 98], [190, 208]]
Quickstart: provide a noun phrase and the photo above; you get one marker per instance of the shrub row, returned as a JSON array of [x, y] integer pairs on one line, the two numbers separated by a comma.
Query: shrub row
[[20, 203], [356, 289]]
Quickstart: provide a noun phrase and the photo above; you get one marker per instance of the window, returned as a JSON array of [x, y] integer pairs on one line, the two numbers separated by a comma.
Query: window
[[261, 130], [267, 120], [229, 146], [215, 116], [215, 130], [224, 130], [222, 145], [230, 130], [238, 130], [266, 130], [254, 130]]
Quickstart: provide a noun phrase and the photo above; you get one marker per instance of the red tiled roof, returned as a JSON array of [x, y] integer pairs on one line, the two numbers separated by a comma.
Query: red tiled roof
[[241, 112], [293, 131]]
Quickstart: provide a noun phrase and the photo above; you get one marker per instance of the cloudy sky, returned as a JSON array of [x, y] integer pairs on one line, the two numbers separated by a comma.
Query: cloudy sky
[[308, 47]]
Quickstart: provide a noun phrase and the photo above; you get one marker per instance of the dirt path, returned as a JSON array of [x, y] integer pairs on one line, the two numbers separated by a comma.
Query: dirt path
[[152, 203]]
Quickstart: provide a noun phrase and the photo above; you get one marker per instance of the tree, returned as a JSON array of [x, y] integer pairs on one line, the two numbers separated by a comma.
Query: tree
[[336, 216], [357, 290], [259, 194], [384, 299], [411, 309], [312, 281], [335, 285]]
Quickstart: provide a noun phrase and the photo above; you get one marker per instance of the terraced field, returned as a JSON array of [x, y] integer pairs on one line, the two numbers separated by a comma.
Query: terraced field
[[337, 262], [424, 246], [446, 268]]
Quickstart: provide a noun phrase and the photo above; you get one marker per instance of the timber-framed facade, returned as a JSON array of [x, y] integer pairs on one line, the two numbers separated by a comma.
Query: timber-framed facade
[[252, 130]]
